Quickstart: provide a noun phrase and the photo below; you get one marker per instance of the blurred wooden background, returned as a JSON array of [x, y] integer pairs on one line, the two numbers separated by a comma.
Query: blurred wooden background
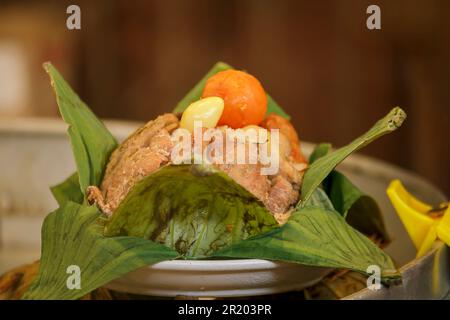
[[136, 59]]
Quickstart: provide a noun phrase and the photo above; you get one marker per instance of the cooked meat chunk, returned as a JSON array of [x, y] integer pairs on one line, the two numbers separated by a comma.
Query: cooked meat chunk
[[139, 155], [274, 121], [140, 138], [290, 171], [281, 195], [249, 176]]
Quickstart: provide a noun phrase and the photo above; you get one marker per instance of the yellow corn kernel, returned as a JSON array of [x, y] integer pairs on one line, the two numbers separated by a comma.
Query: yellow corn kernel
[[207, 110]]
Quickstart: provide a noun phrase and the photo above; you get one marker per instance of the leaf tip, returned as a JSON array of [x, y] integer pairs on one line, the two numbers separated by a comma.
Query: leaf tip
[[396, 118], [222, 65], [47, 66]]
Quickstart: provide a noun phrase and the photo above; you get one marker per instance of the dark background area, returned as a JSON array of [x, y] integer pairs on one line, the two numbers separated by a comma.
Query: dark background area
[[136, 59]]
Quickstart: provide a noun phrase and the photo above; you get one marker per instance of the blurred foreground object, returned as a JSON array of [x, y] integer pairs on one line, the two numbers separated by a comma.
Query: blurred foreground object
[[424, 223]]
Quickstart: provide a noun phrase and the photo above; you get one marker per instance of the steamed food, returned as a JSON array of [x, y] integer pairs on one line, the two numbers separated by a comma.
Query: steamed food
[[222, 176], [231, 100]]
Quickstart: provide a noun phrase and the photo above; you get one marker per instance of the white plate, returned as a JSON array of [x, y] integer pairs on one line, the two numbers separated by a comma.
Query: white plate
[[218, 278]]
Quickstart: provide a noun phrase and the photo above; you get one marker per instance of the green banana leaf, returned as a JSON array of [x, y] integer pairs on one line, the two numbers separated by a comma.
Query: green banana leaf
[[193, 209], [196, 92], [274, 107], [73, 236], [360, 210], [342, 192], [315, 236], [365, 216], [319, 198], [321, 168], [91, 142], [321, 150], [68, 190]]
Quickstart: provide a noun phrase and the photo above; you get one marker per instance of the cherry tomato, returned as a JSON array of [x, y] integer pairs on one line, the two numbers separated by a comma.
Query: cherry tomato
[[244, 97]]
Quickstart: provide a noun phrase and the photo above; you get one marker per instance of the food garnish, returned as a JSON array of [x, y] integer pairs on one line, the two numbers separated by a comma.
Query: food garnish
[[244, 97]]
